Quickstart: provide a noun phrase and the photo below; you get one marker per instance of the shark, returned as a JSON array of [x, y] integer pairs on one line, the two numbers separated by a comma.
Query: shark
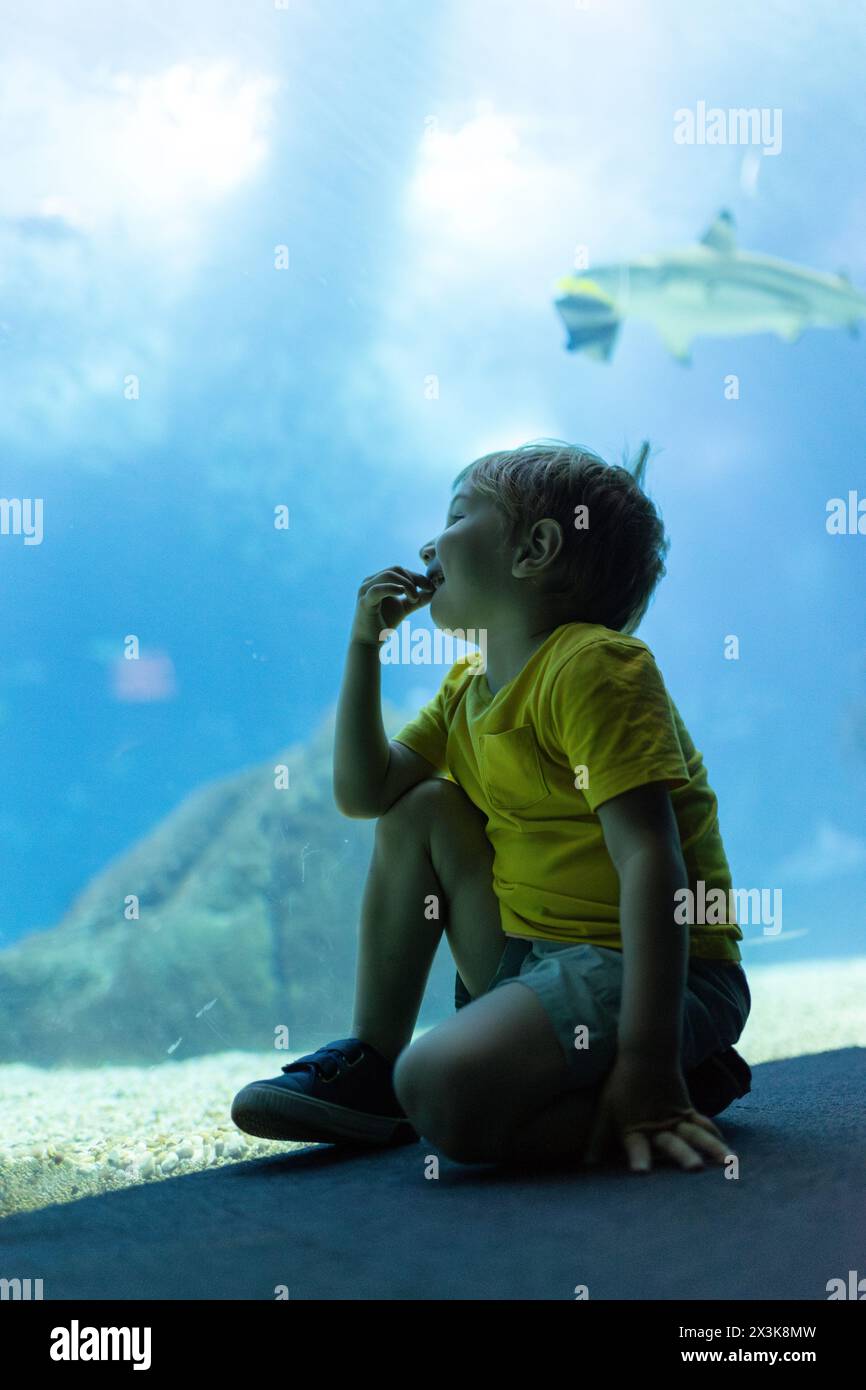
[[710, 288]]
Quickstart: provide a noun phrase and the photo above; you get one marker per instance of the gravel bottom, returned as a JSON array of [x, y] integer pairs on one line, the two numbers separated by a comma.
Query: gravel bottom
[[810, 1006], [70, 1132], [73, 1132]]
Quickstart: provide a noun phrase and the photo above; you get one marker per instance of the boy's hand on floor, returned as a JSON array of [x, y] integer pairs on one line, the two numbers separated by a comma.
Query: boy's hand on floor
[[644, 1108]]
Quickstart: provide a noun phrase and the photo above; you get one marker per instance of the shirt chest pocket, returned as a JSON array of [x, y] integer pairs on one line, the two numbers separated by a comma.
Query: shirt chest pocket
[[511, 769]]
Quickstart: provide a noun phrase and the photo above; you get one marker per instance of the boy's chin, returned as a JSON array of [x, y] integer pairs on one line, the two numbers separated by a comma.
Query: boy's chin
[[438, 621], [434, 609], [439, 615], [442, 617]]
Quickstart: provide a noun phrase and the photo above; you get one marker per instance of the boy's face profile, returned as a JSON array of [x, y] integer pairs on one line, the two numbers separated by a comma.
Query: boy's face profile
[[477, 569], [465, 561]]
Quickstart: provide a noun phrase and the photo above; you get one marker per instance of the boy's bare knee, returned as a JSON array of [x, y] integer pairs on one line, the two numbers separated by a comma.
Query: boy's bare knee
[[432, 792], [418, 808], [410, 1078], [440, 1098], [412, 803]]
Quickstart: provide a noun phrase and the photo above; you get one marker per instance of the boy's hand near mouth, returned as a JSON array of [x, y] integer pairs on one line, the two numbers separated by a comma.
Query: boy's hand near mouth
[[385, 599]]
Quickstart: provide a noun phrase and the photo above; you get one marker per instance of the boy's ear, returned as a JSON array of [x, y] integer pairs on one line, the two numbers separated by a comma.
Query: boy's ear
[[545, 541]]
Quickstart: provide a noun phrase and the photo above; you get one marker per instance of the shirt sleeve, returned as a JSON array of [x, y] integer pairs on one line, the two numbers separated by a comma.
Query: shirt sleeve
[[427, 733], [611, 714]]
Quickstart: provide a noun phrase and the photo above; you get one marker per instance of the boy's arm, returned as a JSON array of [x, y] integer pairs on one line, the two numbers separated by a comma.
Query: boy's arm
[[370, 771], [642, 838], [361, 750]]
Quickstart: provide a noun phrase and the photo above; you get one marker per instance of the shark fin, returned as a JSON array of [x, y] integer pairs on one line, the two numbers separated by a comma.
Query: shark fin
[[854, 329], [720, 235], [792, 334], [677, 346]]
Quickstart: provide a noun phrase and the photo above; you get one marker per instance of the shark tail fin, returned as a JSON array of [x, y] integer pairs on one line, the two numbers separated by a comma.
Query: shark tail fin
[[590, 315], [600, 349]]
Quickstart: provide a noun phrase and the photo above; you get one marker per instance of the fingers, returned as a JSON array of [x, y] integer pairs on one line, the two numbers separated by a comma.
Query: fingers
[[677, 1149], [414, 575], [698, 1119], [683, 1138], [639, 1152], [395, 577], [407, 590], [415, 581], [716, 1148], [683, 1141], [685, 1145]]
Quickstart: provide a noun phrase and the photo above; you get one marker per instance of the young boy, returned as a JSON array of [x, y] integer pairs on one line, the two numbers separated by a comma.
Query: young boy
[[593, 1012]]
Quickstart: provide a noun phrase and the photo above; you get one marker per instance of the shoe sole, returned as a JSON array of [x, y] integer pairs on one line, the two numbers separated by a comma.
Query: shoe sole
[[270, 1113]]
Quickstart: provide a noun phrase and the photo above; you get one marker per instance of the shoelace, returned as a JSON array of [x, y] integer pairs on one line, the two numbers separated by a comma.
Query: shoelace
[[318, 1062]]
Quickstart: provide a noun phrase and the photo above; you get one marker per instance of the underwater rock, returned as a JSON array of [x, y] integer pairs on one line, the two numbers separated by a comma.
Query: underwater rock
[[247, 898]]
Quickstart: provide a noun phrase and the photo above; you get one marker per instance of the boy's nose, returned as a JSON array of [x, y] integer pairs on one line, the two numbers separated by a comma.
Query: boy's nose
[[427, 552]]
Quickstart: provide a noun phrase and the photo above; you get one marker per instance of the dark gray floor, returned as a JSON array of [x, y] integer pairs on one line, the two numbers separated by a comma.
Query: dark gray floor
[[330, 1224]]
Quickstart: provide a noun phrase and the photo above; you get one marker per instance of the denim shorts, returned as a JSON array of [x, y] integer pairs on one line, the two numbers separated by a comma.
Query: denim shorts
[[582, 985]]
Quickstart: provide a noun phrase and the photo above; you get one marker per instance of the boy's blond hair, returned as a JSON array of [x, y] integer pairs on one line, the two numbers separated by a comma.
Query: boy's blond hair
[[613, 566]]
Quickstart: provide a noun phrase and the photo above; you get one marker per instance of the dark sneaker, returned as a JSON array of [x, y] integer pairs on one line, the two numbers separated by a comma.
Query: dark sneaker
[[720, 1079], [343, 1093]]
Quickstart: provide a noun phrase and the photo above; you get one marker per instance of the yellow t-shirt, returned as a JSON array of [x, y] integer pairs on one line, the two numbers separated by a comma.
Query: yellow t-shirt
[[587, 698]]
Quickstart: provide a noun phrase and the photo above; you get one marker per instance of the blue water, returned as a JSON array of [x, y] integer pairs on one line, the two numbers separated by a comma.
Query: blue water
[[430, 170]]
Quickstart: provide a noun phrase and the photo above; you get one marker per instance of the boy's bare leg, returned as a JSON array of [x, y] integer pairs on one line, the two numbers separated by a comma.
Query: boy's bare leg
[[431, 847], [491, 1084], [560, 1131]]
